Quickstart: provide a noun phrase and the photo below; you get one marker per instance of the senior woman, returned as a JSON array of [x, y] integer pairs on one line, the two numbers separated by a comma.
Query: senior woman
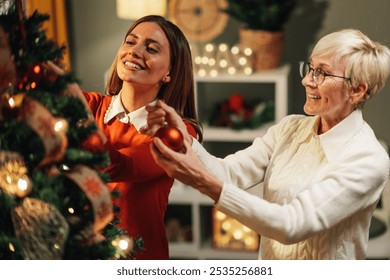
[[323, 172]]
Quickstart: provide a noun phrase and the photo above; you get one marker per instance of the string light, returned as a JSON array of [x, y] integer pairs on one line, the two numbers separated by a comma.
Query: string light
[[123, 244], [228, 233], [220, 59]]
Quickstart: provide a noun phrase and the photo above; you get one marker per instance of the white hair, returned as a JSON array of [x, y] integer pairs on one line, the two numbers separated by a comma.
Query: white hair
[[366, 60]]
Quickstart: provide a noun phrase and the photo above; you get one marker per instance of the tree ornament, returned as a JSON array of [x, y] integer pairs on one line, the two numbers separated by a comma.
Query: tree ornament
[[41, 229], [13, 174], [171, 137]]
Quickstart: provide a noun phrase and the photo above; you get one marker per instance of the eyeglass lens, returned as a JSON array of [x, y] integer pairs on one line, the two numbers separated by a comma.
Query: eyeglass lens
[[304, 69]]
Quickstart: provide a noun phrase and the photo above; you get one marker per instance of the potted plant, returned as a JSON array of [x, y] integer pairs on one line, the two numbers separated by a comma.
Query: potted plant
[[262, 27]]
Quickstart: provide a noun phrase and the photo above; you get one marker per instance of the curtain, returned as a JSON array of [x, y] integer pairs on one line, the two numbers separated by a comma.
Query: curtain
[[56, 26]]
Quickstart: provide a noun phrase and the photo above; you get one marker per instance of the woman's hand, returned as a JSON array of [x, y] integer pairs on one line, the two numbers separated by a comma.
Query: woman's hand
[[186, 167], [160, 115], [75, 91]]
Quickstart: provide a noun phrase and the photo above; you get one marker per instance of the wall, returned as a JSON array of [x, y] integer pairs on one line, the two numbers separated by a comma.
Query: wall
[[96, 33]]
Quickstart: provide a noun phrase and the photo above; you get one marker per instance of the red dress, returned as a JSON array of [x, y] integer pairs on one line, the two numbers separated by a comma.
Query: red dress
[[144, 186]]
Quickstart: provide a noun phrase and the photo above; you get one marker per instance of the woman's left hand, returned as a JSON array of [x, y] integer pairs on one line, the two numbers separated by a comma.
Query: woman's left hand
[[186, 167]]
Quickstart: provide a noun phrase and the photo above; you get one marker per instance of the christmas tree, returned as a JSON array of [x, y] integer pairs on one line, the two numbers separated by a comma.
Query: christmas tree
[[54, 203]]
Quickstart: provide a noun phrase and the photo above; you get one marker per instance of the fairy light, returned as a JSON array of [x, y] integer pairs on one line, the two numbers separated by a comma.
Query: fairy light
[[223, 63], [242, 60], [124, 245], [227, 225], [220, 216], [11, 247], [65, 167], [61, 125], [223, 47], [235, 50], [11, 102], [219, 59], [212, 62], [24, 186], [205, 60], [202, 72], [228, 233], [232, 70], [37, 69], [209, 47], [237, 234], [198, 60], [248, 51], [248, 70], [214, 73]]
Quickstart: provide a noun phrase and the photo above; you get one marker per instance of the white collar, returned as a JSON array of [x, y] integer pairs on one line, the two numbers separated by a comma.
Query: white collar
[[116, 109], [334, 140]]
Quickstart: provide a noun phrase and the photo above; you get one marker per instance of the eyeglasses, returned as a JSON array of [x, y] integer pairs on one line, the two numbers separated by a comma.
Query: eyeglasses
[[318, 74]]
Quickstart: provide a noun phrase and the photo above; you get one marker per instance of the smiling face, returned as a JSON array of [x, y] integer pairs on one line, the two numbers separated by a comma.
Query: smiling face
[[7, 66], [331, 100], [144, 57]]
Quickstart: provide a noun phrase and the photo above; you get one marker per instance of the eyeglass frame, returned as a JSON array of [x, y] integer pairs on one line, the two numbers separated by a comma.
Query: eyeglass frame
[[314, 71]]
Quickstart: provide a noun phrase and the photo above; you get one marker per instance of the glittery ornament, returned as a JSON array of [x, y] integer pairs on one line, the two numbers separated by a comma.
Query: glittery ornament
[[41, 229]]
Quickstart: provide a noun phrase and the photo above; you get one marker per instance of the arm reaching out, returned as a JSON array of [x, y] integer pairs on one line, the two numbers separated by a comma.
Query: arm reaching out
[[75, 91], [184, 166]]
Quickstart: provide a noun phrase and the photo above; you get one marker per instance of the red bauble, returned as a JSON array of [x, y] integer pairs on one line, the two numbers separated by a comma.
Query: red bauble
[[171, 136]]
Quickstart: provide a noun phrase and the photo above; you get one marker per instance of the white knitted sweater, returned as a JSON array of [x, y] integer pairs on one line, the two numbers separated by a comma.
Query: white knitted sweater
[[319, 191]]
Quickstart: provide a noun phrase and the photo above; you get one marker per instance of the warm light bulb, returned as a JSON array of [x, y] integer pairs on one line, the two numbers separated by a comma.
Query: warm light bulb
[[23, 186], [124, 243], [61, 125], [202, 72], [220, 215], [11, 102], [205, 60], [226, 225], [223, 63], [237, 234], [214, 73], [209, 47], [65, 167], [11, 247], [248, 70], [248, 51], [212, 61], [242, 61], [231, 70], [249, 241], [223, 47], [198, 60], [235, 50]]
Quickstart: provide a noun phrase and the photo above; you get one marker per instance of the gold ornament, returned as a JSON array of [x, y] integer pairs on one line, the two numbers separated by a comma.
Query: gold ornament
[[13, 174]]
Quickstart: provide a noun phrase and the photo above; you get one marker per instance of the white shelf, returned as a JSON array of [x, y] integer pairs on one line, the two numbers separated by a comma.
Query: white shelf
[[200, 246], [211, 133]]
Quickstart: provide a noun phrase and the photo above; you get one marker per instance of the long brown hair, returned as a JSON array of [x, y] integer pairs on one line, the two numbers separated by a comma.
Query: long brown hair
[[179, 93]]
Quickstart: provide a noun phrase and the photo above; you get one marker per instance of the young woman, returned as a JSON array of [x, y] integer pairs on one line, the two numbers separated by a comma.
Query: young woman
[[153, 63]]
